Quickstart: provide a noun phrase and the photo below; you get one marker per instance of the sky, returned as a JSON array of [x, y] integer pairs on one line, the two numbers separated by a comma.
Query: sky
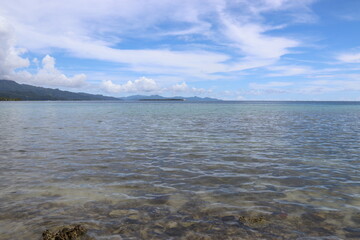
[[227, 49]]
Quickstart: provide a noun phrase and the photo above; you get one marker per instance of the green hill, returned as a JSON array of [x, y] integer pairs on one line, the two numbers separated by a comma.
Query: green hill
[[11, 90]]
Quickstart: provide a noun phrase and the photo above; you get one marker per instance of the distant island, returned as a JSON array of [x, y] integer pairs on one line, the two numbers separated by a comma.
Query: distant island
[[163, 99], [13, 91]]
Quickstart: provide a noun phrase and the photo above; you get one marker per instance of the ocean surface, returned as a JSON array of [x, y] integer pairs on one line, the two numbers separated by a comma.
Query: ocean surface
[[181, 170]]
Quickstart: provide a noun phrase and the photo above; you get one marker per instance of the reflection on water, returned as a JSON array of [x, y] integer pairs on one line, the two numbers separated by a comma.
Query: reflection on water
[[181, 170]]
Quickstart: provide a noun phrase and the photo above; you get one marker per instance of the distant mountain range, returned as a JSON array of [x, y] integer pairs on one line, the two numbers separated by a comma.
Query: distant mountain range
[[157, 98], [11, 90]]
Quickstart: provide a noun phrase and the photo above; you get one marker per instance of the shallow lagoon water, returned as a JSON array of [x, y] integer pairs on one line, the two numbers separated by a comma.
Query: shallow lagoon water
[[181, 170]]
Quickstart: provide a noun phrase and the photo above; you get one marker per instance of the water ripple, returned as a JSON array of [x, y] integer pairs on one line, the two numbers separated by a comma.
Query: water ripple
[[177, 170]]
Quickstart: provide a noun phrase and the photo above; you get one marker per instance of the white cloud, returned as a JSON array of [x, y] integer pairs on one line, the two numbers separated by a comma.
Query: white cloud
[[336, 85], [110, 87], [10, 56], [252, 41], [350, 17], [240, 98], [349, 83], [269, 85], [142, 84], [290, 70], [49, 75], [349, 57], [11, 61], [184, 88], [180, 87], [97, 32], [148, 85]]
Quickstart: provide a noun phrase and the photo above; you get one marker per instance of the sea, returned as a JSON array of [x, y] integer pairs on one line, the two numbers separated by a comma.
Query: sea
[[181, 170]]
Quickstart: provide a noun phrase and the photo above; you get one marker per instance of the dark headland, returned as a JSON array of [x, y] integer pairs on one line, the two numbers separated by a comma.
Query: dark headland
[[11, 90]]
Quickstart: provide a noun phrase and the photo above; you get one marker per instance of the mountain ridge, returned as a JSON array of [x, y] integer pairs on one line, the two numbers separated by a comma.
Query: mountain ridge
[[158, 97], [12, 90]]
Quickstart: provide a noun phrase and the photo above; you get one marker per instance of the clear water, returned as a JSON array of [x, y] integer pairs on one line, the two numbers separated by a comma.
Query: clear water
[[181, 170]]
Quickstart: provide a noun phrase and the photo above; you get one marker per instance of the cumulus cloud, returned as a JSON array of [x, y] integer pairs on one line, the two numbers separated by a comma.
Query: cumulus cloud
[[13, 65], [148, 85], [184, 88], [142, 84], [180, 87], [10, 56], [49, 75]]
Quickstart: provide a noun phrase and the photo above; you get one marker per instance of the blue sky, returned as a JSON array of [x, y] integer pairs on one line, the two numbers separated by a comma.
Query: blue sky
[[235, 49]]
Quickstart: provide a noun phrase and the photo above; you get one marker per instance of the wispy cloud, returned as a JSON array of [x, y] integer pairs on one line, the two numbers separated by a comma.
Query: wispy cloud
[[174, 44], [270, 85], [289, 70], [98, 33], [253, 42], [328, 86], [353, 57]]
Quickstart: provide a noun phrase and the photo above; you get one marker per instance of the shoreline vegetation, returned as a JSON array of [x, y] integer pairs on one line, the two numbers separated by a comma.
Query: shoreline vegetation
[[9, 99]]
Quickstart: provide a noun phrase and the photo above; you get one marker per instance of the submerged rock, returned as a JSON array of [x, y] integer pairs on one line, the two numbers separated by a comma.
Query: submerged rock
[[123, 212], [313, 217], [228, 218], [356, 218], [256, 220], [175, 231], [66, 233], [159, 200]]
